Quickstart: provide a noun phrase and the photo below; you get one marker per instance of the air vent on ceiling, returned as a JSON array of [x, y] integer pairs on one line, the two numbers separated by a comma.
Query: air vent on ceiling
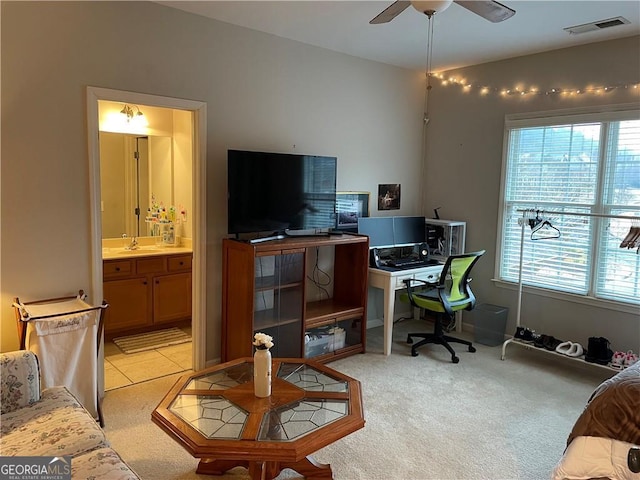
[[598, 25]]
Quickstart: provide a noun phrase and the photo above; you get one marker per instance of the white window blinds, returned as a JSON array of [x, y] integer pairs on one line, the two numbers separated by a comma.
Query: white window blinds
[[577, 165]]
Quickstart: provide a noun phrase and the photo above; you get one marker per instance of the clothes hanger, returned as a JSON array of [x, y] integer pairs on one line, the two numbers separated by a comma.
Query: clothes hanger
[[632, 237], [535, 221], [544, 230], [635, 240]]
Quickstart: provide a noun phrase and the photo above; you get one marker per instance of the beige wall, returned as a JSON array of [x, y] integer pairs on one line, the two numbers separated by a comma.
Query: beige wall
[[262, 92], [465, 142]]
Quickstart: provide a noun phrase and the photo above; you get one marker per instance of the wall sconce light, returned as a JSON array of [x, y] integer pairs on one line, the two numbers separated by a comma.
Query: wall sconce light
[[135, 117]]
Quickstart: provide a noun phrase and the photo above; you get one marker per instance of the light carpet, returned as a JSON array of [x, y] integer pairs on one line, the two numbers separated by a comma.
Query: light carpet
[[151, 340], [426, 418]]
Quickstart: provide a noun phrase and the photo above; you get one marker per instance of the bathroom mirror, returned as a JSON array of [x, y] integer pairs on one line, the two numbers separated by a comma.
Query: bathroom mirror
[[132, 168]]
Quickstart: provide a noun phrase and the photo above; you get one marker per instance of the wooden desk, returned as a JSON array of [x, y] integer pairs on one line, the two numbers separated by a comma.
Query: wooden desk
[[391, 280], [216, 417]]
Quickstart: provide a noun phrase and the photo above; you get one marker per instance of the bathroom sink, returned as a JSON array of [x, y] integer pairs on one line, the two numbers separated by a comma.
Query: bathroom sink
[[145, 250], [140, 250], [116, 252]]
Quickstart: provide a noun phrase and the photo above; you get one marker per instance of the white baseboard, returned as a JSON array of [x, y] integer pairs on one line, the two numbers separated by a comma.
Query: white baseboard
[[374, 322]]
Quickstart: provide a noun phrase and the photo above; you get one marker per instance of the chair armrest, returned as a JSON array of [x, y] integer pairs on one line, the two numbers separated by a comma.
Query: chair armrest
[[422, 284], [20, 379]]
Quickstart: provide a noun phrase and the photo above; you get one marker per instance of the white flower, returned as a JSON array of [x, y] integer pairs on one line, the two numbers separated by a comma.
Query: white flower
[[262, 341]]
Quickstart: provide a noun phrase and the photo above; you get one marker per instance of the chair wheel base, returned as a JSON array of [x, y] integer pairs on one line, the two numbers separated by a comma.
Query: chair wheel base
[[455, 359], [414, 353], [472, 349], [409, 340]]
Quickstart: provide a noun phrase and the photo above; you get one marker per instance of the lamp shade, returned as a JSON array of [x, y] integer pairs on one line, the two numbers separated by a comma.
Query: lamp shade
[[434, 6]]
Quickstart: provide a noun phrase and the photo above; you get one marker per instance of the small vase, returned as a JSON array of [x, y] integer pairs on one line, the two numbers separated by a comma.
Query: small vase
[[262, 372]]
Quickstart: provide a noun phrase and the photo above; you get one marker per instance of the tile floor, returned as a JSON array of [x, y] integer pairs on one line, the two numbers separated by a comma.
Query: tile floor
[[121, 369]]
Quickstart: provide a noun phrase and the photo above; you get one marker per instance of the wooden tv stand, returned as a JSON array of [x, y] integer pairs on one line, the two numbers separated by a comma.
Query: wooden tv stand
[[267, 287]]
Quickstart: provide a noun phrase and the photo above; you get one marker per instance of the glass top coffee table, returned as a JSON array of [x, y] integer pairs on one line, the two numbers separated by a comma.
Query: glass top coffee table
[[216, 417]]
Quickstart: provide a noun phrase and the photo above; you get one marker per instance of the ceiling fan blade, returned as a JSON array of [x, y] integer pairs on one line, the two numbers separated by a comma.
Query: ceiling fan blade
[[391, 12], [493, 11]]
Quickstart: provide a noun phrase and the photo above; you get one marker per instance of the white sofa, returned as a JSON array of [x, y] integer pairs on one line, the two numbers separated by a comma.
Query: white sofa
[[52, 422]]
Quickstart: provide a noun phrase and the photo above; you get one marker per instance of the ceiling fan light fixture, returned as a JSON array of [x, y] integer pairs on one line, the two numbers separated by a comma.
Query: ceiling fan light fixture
[[432, 6]]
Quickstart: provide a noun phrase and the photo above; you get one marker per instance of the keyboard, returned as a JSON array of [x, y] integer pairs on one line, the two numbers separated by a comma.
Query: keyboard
[[410, 262], [406, 262]]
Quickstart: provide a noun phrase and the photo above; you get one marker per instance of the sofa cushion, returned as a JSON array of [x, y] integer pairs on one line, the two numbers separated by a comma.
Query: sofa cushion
[[57, 425], [101, 464], [20, 380]]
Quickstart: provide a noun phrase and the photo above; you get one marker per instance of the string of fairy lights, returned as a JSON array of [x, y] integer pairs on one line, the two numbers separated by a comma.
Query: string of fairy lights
[[524, 91]]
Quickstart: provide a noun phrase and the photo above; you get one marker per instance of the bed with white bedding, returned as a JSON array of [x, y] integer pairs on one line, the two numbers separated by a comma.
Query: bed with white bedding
[[605, 440]]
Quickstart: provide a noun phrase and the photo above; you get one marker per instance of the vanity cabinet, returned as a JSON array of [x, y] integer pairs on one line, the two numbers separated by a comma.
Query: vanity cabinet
[[129, 300], [268, 287], [167, 305], [146, 293]]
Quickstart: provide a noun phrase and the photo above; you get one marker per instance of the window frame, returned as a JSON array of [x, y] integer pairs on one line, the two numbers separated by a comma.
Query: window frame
[[600, 114]]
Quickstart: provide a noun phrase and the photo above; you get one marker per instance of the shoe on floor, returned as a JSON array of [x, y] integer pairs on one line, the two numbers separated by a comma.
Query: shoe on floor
[[551, 343], [564, 348], [617, 360], [537, 339], [523, 334], [576, 350], [598, 351], [629, 359], [570, 349]]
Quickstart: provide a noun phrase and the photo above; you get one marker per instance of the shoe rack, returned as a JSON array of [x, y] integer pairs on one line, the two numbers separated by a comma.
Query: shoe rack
[[522, 222], [530, 346]]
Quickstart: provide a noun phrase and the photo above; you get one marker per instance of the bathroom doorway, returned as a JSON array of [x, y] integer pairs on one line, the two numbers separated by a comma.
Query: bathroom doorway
[[195, 211]]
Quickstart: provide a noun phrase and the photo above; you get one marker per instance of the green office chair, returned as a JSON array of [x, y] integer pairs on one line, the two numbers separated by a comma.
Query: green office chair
[[449, 295]]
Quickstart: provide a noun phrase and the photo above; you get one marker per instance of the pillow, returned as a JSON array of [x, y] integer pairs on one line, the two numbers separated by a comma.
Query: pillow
[[595, 457]]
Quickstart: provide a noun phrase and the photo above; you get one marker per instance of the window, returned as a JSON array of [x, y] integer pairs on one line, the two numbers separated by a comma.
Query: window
[[579, 164]]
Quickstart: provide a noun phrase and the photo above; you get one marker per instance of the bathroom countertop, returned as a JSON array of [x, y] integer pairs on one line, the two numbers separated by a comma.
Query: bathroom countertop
[[116, 253]]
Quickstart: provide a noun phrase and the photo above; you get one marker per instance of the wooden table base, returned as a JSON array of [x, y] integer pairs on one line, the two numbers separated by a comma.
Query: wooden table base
[[308, 467]]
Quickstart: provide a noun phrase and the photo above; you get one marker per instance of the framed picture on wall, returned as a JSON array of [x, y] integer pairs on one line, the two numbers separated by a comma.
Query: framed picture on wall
[[350, 206], [389, 196]]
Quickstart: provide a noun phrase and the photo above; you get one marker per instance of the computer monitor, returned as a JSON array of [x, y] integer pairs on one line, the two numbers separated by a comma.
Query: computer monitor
[[408, 231], [379, 230]]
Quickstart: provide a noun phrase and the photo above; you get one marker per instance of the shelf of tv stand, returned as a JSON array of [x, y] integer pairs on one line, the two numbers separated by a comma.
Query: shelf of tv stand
[[269, 283], [325, 310], [266, 319]]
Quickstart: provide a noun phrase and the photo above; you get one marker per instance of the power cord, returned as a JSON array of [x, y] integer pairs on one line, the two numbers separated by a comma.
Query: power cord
[[264, 299], [319, 277]]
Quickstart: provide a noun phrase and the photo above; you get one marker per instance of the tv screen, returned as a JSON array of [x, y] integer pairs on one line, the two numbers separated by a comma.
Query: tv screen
[[276, 192]]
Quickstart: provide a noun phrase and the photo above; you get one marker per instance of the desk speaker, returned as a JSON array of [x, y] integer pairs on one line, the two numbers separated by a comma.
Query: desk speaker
[[423, 251], [374, 258]]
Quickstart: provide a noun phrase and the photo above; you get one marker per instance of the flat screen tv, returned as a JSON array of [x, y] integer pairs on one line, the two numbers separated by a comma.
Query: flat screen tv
[[277, 193]]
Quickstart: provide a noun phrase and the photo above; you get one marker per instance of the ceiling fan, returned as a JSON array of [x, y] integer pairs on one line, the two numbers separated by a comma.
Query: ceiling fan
[[493, 11]]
